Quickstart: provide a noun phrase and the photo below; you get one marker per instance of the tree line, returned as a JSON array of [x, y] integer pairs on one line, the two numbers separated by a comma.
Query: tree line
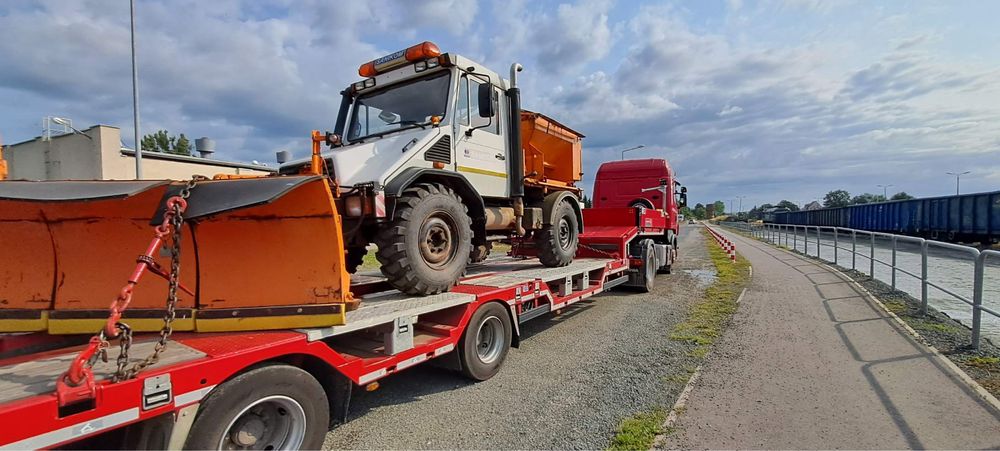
[[832, 199]]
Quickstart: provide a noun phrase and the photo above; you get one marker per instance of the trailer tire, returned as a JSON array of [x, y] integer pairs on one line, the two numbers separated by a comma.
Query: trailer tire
[[427, 247], [238, 411], [558, 241], [648, 272], [485, 342], [354, 257]]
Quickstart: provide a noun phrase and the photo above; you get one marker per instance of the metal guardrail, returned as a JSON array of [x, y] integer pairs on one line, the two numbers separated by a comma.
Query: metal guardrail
[[780, 234]]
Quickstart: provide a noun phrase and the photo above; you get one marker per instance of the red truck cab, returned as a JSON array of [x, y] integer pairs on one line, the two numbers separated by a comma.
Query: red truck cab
[[648, 183]]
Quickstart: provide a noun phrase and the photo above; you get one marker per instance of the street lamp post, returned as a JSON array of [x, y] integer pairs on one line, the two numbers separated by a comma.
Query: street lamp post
[[741, 205], [135, 98], [958, 178], [640, 146], [885, 193]]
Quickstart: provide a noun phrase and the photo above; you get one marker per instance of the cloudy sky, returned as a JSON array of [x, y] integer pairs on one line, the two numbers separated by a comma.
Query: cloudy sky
[[771, 100]]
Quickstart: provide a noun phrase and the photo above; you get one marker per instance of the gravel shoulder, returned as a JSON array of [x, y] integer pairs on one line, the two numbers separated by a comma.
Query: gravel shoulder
[[575, 377]]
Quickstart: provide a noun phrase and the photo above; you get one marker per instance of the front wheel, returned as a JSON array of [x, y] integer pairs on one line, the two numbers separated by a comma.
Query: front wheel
[[558, 241], [275, 407], [485, 342], [425, 250]]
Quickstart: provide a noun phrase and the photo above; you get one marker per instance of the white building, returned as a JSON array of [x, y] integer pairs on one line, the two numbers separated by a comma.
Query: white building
[[98, 154]]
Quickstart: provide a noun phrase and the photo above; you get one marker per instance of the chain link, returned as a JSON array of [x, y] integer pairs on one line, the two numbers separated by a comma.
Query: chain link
[[176, 221], [599, 251]]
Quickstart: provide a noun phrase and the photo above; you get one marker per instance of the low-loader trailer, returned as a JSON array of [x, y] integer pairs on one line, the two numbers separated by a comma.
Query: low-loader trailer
[[284, 389]]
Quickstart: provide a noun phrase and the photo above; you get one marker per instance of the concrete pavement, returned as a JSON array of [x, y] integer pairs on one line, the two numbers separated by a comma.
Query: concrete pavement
[[811, 362]]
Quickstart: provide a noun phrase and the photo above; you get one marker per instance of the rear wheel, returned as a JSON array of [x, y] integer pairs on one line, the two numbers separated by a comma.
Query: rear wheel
[[558, 241], [426, 248], [485, 342], [272, 407]]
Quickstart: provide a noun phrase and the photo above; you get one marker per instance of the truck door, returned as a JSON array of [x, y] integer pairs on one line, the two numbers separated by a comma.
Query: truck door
[[482, 157]]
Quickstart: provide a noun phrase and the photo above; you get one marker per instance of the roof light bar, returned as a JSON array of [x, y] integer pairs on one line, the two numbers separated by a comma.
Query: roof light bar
[[420, 52]]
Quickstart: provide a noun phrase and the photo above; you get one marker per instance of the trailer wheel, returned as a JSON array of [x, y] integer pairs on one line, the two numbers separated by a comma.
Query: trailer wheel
[[648, 271], [485, 342], [272, 407], [426, 248], [354, 257], [557, 242]]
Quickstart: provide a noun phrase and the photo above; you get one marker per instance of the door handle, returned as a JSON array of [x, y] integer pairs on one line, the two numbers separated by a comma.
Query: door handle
[[500, 156]]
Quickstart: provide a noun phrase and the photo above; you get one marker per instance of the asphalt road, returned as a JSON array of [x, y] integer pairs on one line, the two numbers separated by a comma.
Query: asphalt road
[[573, 380], [809, 362]]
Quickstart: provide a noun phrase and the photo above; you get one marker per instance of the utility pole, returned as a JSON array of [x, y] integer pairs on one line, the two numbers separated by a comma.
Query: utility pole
[[741, 204], [135, 98], [885, 193], [640, 146], [958, 179]]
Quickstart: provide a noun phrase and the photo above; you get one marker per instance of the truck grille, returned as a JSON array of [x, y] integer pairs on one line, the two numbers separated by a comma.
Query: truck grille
[[440, 151]]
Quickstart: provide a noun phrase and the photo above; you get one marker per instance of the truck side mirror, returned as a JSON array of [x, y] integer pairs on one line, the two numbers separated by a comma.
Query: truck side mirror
[[684, 189], [684, 199], [485, 100]]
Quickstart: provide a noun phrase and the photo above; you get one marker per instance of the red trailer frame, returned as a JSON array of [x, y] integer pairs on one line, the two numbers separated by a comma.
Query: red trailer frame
[[388, 333]]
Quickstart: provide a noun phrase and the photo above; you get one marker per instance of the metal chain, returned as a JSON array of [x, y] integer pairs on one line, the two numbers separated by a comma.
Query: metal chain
[[599, 251], [176, 223]]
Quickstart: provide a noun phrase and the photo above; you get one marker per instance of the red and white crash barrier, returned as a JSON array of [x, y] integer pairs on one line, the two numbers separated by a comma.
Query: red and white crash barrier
[[724, 243]]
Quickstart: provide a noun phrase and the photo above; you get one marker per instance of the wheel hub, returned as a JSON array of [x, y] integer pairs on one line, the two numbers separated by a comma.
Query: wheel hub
[[271, 423], [564, 233], [490, 340], [249, 431], [437, 245]]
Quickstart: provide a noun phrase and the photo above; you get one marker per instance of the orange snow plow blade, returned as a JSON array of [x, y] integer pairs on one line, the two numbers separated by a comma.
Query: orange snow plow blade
[[264, 253]]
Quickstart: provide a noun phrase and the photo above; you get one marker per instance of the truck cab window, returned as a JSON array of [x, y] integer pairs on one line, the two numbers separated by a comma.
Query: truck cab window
[[472, 111], [398, 107]]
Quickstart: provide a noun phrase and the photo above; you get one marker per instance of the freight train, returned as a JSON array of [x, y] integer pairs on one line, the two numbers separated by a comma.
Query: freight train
[[966, 218]]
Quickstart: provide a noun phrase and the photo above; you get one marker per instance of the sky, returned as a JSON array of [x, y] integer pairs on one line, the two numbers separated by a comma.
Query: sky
[[769, 100]]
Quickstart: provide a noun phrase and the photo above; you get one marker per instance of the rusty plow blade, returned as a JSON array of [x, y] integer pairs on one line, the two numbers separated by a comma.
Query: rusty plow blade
[[256, 253]]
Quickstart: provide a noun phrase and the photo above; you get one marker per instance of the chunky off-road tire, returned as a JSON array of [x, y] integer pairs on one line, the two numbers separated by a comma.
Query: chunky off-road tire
[[354, 257], [427, 246], [480, 252], [271, 407], [557, 242], [485, 342]]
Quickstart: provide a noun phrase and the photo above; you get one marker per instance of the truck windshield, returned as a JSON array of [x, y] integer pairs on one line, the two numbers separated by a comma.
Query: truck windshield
[[406, 105]]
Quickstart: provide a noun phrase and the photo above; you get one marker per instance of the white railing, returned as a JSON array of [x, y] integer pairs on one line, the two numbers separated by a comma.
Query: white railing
[[792, 236]]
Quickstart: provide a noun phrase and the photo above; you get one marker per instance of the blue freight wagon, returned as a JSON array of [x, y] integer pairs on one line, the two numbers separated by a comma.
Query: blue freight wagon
[[962, 218]]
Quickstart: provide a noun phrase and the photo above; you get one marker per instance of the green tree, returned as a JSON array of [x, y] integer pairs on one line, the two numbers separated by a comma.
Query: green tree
[[687, 212], [719, 208], [837, 198], [700, 212], [586, 201], [163, 142], [791, 206], [867, 198], [901, 196]]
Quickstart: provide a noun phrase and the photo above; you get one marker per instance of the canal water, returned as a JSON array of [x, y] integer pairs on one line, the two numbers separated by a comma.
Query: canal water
[[953, 270]]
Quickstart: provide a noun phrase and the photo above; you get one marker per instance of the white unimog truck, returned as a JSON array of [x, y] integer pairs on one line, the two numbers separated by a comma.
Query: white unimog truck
[[430, 163]]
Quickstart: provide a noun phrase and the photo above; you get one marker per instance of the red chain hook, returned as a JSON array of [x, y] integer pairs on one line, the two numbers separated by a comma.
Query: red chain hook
[[77, 383]]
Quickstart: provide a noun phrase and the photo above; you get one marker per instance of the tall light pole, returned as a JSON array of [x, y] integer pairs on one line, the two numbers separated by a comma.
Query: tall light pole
[[741, 204], [885, 193], [135, 98], [731, 201], [640, 146], [958, 178]]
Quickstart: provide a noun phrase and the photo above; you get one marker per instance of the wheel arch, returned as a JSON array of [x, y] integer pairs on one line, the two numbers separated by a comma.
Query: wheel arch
[[457, 182], [553, 199]]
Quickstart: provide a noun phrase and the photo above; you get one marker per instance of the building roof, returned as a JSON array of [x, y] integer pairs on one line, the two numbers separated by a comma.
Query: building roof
[[198, 160]]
